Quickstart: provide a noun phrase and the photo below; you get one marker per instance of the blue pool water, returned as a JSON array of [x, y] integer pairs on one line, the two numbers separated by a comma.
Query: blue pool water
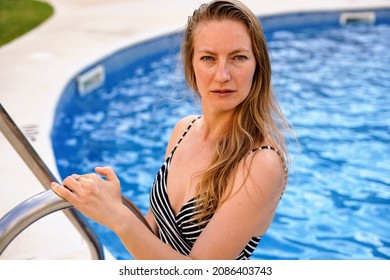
[[334, 87]]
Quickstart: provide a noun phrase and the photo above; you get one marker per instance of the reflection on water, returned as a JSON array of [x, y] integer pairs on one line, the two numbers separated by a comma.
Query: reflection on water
[[334, 88]]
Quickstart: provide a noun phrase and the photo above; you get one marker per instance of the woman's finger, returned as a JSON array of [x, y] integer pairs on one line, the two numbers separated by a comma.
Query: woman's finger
[[76, 177], [109, 173], [72, 184], [63, 191]]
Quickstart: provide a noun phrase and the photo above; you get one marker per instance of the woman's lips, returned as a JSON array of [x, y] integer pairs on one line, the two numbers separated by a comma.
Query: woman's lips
[[222, 92]]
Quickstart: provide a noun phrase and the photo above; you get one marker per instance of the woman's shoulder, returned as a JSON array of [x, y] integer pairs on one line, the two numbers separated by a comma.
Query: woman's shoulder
[[178, 130], [268, 165], [184, 123]]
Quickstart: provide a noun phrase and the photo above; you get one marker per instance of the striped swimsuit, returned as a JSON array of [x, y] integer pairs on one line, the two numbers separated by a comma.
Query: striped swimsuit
[[181, 231]]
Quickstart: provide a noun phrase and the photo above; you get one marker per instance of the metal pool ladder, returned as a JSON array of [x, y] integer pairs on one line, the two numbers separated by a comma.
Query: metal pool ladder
[[46, 202]]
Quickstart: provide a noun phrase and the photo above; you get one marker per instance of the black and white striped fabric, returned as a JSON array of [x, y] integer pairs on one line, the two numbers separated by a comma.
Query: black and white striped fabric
[[181, 231]]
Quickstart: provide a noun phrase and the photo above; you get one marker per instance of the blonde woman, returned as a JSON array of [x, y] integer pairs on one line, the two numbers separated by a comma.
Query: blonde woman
[[224, 173]]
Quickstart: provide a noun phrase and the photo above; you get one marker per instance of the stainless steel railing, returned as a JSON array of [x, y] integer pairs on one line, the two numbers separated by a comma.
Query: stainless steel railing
[[35, 208], [28, 212], [26, 151], [44, 203]]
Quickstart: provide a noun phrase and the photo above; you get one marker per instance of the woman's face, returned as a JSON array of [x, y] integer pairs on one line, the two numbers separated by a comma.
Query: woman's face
[[224, 64]]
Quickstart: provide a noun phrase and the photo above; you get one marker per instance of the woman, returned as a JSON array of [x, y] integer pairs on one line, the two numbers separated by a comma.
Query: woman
[[224, 174]]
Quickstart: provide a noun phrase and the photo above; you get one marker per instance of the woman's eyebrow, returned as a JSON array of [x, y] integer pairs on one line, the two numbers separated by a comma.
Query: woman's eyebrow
[[239, 50]]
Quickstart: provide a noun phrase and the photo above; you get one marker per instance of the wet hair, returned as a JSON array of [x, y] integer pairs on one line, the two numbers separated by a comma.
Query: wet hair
[[258, 119]]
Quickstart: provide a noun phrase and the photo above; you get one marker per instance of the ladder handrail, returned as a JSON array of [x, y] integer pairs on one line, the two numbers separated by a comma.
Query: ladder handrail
[[42, 204], [28, 212], [26, 151], [35, 208]]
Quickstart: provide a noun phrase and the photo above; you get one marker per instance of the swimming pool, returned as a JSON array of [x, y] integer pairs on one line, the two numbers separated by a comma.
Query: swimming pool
[[334, 88]]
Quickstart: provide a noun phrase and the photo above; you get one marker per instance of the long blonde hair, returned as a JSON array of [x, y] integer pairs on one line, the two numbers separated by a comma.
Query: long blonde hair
[[256, 119]]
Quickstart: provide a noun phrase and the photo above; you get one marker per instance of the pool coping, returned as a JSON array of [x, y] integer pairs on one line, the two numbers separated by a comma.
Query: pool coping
[[30, 63]]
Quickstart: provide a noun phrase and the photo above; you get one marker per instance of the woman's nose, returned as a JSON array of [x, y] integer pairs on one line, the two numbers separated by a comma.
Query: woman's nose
[[222, 74]]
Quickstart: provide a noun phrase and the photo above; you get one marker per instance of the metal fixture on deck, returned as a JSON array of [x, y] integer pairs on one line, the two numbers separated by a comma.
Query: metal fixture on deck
[[357, 17]]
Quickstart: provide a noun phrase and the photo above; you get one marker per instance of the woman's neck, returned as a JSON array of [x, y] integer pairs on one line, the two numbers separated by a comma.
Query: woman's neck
[[213, 126]]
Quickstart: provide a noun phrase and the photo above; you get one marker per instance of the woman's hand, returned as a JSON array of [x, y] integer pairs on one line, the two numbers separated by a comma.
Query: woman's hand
[[95, 197]]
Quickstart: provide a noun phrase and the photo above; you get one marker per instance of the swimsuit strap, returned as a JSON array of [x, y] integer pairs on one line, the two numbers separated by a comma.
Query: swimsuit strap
[[184, 134], [266, 148]]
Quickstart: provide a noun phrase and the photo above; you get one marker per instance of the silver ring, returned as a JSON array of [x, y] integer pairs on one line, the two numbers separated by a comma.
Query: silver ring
[[77, 177]]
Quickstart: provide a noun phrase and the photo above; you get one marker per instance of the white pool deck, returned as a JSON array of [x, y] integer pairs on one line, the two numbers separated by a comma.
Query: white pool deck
[[35, 68]]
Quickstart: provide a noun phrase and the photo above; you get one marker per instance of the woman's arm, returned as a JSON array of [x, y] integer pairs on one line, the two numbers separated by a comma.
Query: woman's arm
[[100, 200], [247, 212]]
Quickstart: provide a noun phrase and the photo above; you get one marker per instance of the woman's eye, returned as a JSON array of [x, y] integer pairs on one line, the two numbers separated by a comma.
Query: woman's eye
[[206, 58], [240, 58]]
